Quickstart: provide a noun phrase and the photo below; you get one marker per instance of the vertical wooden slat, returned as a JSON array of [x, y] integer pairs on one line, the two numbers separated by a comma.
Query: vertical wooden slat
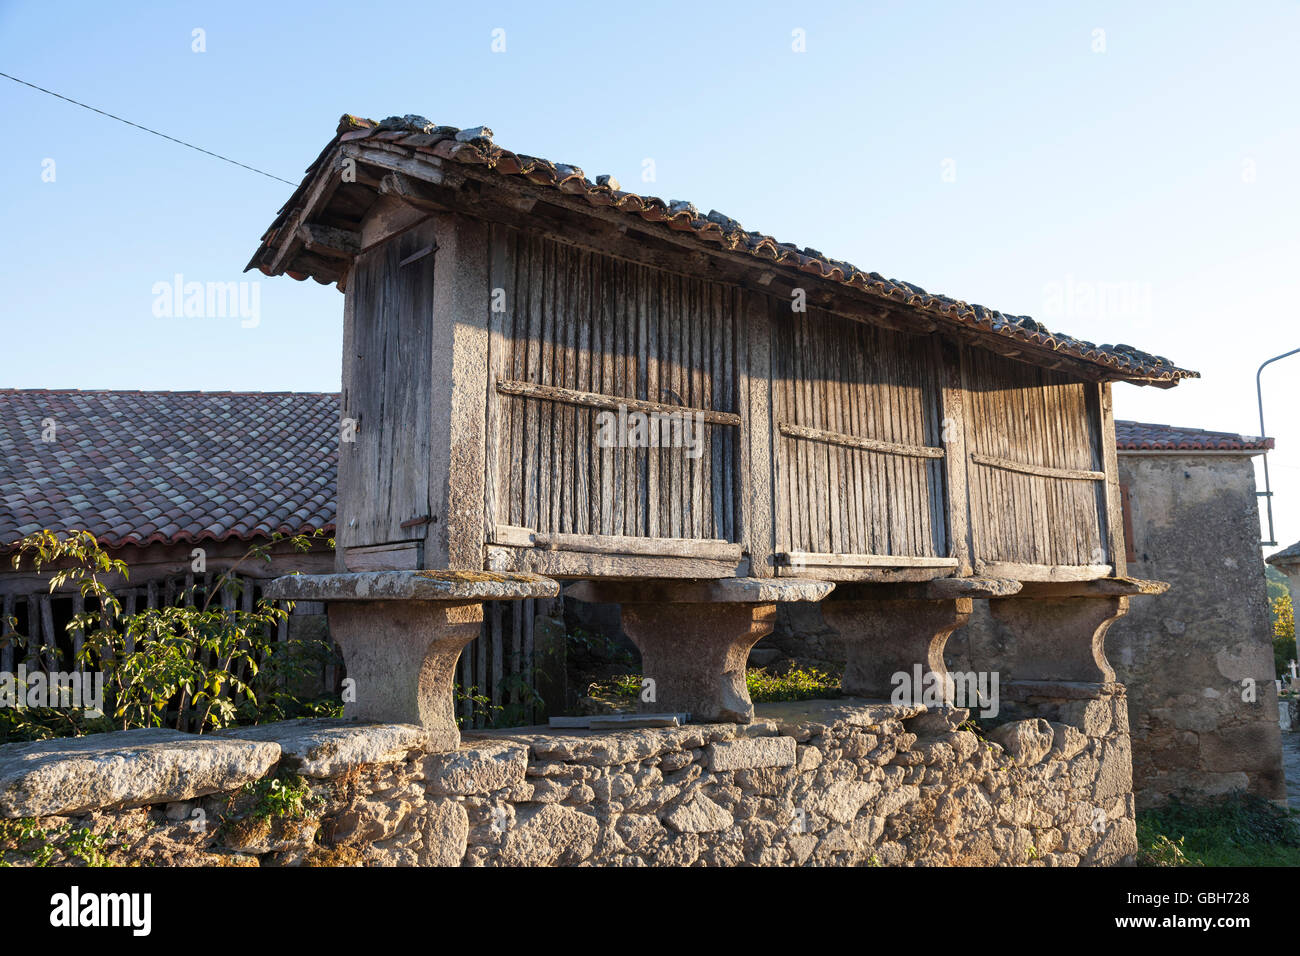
[[78, 634], [1105, 422], [7, 635], [960, 524], [498, 660], [49, 639]]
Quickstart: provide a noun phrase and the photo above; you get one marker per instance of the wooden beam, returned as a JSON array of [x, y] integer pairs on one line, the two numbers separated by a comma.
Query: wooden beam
[[327, 182], [568, 396], [330, 242], [1042, 471], [853, 441]]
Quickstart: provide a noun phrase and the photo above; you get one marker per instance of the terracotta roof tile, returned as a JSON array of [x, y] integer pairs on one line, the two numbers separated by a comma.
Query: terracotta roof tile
[[415, 134], [141, 467], [1145, 436]]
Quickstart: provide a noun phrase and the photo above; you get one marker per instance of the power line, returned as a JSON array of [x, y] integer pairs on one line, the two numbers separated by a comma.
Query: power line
[[84, 106]]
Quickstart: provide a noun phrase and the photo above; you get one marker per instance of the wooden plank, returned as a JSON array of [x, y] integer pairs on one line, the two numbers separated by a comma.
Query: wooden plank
[[398, 556], [759, 465], [78, 634], [495, 464], [1020, 571], [32, 658], [833, 560], [1114, 505], [953, 430], [579, 564], [498, 652], [712, 548], [49, 639], [8, 636], [1069, 474]]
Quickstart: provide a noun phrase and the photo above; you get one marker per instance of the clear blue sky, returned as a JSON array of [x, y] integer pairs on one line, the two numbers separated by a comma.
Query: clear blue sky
[[986, 151]]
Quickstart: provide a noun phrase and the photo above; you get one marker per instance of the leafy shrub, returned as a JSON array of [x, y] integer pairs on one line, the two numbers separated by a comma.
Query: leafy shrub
[[795, 684], [196, 667]]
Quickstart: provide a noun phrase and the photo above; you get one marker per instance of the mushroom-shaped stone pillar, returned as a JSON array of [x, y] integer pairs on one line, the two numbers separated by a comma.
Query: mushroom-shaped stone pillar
[[402, 632], [892, 632], [1056, 630], [695, 636]]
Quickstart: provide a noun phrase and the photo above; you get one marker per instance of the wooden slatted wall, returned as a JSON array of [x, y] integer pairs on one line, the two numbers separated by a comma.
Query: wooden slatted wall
[[578, 326], [387, 389], [858, 429], [1049, 511]]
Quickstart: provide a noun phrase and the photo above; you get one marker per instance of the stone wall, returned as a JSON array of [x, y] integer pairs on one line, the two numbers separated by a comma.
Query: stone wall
[[1185, 654], [810, 783]]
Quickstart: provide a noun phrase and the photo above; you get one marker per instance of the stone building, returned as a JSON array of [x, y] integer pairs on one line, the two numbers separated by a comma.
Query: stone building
[[1187, 656]]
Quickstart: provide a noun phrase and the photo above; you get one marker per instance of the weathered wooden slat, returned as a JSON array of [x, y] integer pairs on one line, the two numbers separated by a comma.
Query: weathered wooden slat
[[953, 433], [8, 636], [760, 464], [1041, 471], [1113, 504], [49, 638]]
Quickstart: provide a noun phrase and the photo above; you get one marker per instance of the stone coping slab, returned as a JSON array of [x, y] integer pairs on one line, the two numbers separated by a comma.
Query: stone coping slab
[[413, 586], [799, 719], [717, 591], [939, 589], [325, 747], [125, 768], [1098, 587]]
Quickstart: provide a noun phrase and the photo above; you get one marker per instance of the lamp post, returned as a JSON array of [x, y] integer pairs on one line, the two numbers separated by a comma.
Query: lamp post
[[1267, 493]]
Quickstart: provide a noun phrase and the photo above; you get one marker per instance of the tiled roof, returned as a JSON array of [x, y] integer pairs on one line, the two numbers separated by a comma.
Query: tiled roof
[[143, 467], [1144, 436], [1287, 556], [416, 136]]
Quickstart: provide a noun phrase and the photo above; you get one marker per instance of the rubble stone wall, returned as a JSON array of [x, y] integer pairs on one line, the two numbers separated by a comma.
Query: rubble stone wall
[[808, 783]]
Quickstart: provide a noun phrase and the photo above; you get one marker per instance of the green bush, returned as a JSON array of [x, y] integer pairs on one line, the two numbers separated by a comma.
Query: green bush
[[196, 667]]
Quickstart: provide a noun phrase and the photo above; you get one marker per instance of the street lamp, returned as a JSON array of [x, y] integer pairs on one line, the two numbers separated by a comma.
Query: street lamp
[[1267, 493]]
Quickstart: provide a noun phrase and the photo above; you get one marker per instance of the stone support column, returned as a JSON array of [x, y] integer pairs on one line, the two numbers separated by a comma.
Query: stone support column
[[901, 629], [402, 633], [695, 636]]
